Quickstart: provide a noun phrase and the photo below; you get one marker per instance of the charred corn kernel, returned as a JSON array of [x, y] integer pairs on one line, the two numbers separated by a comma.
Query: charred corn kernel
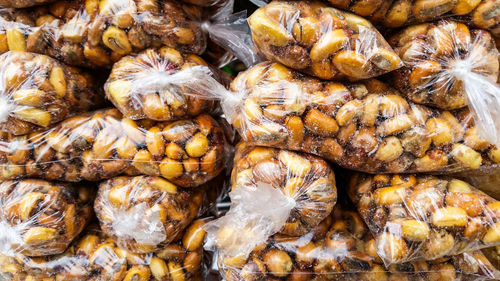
[[391, 247], [28, 204], [194, 236], [428, 9], [306, 30], [494, 154], [158, 268], [176, 271], [390, 195], [492, 234], [459, 186], [39, 235], [15, 40], [264, 27], [432, 161], [329, 44], [449, 216], [138, 273], [398, 14], [164, 185], [295, 163], [155, 142], [351, 63], [466, 156], [423, 73], [414, 230], [184, 35], [34, 115], [117, 40], [320, 123], [197, 146], [469, 202], [119, 91], [385, 59], [390, 149], [278, 262], [29, 97], [170, 169]]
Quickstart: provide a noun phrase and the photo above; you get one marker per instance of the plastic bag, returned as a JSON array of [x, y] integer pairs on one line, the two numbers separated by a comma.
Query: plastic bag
[[143, 214], [95, 257], [97, 33], [321, 41], [23, 3], [102, 144], [341, 248], [39, 218], [396, 13], [150, 85], [37, 91], [424, 217], [273, 191], [365, 126], [449, 66], [493, 255]]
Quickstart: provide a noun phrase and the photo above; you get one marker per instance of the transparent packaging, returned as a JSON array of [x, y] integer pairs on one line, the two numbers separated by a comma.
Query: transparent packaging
[[97, 33], [449, 66], [103, 144], [273, 191], [150, 85], [40, 218], [321, 41], [95, 257], [396, 13], [144, 214], [37, 91], [23, 3], [415, 217], [342, 248], [366, 126]]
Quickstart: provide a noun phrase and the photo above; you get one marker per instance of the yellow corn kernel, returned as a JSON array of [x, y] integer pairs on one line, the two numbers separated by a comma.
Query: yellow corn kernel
[[389, 195], [466, 155], [449, 216], [459, 186], [328, 44], [28, 204], [493, 234], [320, 123], [119, 91], [39, 235], [170, 169], [58, 81], [158, 268], [266, 29], [35, 116], [295, 163], [117, 40], [176, 271], [194, 236], [390, 149], [414, 230], [197, 146], [29, 97], [164, 185], [138, 273], [15, 40], [155, 142]]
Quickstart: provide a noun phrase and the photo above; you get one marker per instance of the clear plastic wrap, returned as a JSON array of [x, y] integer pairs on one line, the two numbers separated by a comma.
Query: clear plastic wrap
[[425, 217], [395, 13], [96, 33], [37, 91], [206, 3], [39, 218], [365, 126], [103, 144], [94, 257], [449, 66], [23, 3], [342, 249], [493, 255], [321, 41], [143, 214], [273, 191], [150, 85]]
